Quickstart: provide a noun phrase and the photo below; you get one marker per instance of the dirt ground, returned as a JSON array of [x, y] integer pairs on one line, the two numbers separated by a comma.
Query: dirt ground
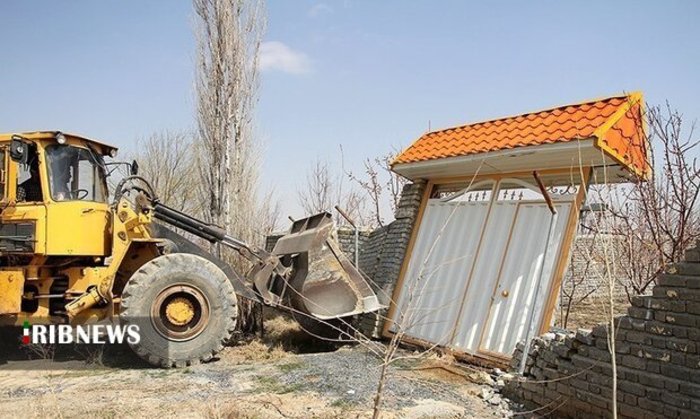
[[591, 312], [283, 375]]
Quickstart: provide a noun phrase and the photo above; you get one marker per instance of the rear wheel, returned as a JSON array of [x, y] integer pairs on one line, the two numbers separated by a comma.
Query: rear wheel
[[185, 308]]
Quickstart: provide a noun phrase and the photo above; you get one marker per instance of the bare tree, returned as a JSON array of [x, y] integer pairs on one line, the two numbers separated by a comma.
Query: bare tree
[[579, 284], [166, 159], [372, 187], [366, 200], [648, 226], [255, 213], [270, 213], [659, 218], [229, 35], [319, 193], [394, 182], [604, 269], [655, 219], [324, 189], [380, 184]]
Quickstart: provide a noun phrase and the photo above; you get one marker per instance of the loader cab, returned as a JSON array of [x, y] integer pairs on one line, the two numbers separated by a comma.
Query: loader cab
[[75, 174], [54, 192]]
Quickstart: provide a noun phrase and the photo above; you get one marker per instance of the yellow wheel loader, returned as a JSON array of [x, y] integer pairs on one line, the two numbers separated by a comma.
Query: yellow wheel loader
[[71, 255]]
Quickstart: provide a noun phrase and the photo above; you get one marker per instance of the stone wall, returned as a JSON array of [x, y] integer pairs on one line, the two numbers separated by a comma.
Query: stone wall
[[657, 346]]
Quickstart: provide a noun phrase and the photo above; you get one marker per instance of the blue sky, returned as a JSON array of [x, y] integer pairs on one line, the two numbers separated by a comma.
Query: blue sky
[[367, 75]]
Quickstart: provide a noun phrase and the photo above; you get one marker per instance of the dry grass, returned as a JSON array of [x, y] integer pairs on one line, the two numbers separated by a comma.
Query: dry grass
[[278, 406], [591, 312], [282, 338], [281, 329], [254, 351], [444, 367], [40, 351], [93, 354]]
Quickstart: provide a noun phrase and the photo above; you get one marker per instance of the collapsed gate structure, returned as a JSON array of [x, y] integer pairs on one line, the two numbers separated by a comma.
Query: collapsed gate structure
[[492, 236]]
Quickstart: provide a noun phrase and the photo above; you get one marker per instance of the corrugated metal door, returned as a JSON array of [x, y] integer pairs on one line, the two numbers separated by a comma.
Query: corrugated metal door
[[471, 275], [445, 250], [483, 277], [512, 299]]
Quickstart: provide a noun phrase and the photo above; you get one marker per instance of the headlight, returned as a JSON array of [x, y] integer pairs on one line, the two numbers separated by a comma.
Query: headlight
[[60, 138], [113, 153]]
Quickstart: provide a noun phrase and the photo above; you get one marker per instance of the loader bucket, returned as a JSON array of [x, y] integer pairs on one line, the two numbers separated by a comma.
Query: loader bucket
[[324, 283]]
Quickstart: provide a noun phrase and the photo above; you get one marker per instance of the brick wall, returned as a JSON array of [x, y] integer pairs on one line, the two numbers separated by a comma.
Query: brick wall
[[587, 266], [585, 281], [657, 354], [385, 251], [371, 251]]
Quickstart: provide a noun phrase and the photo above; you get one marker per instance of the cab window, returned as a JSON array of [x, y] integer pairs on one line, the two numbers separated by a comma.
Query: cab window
[[75, 174], [28, 183]]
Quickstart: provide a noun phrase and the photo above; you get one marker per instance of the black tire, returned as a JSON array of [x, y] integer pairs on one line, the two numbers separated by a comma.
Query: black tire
[[170, 338], [167, 247]]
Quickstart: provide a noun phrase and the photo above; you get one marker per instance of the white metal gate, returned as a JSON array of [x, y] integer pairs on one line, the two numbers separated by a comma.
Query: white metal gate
[[472, 273]]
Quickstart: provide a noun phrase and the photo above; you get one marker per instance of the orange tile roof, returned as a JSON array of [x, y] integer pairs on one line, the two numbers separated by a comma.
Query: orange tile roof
[[614, 122]]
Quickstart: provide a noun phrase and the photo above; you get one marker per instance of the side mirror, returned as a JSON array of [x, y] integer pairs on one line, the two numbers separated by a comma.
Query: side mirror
[[19, 150], [134, 168]]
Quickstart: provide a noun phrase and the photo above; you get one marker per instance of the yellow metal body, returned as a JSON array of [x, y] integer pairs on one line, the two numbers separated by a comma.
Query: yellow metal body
[[84, 249], [180, 311], [11, 286], [77, 228]]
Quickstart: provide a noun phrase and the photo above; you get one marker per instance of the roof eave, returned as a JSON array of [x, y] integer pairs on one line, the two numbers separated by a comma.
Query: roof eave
[[555, 156]]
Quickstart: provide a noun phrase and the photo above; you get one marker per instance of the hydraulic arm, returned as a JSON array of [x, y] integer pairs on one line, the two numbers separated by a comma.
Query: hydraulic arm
[[306, 269]]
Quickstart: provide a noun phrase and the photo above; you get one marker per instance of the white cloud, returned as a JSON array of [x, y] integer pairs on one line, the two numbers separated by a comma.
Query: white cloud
[[275, 55], [320, 9]]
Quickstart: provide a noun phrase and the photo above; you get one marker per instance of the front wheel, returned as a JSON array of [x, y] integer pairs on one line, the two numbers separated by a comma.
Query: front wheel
[[185, 308]]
